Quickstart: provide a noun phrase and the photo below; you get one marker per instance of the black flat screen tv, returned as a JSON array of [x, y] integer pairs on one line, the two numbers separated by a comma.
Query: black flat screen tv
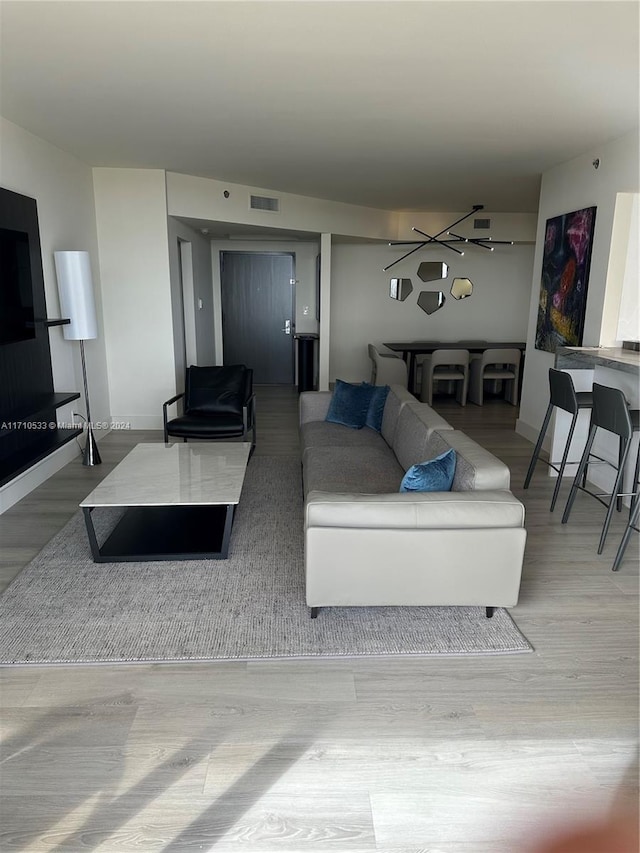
[[16, 288]]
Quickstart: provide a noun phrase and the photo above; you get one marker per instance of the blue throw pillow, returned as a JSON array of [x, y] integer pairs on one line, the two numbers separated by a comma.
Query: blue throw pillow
[[349, 404], [376, 406], [435, 475]]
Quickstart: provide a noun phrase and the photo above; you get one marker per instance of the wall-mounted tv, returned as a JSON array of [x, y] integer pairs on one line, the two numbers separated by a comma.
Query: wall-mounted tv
[[16, 288]]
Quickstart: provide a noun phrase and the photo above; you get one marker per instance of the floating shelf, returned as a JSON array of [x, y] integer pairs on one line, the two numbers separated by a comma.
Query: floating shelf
[[21, 460], [43, 403], [21, 448]]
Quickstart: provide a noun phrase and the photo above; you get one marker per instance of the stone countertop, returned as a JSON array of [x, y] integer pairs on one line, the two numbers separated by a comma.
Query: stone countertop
[[587, 358]]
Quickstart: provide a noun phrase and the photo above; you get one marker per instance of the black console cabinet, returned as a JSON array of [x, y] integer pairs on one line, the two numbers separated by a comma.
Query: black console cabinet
[[28, 402]]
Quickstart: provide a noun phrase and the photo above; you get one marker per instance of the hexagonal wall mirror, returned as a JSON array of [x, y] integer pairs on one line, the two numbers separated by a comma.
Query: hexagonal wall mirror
[[461, 288], [431, 300], [400, 288], [432, 270]]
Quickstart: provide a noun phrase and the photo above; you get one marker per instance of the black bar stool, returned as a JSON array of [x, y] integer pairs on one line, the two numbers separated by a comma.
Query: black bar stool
[[634, 514], [563, 396], [631, 525], [610, 412]]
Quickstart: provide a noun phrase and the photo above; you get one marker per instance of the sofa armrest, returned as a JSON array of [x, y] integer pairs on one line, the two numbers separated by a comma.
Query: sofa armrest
[[415, 510], [314, 405]]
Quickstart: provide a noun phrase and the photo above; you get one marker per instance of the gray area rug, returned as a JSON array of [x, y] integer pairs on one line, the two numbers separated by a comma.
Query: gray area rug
[[64, 608]]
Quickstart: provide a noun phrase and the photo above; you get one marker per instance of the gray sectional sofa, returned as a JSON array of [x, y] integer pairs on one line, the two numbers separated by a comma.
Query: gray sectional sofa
[[368, 544]]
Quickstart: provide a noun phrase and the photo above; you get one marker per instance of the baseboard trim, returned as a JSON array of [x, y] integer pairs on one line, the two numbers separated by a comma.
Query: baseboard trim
[[35, 476]]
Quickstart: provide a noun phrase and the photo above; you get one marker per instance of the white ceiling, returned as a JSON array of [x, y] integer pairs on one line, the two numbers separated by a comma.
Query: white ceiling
[[401, 105]]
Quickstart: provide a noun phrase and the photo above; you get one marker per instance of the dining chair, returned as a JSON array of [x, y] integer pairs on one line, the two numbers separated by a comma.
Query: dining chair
[[387, 368], [495, 364], [448, 365]]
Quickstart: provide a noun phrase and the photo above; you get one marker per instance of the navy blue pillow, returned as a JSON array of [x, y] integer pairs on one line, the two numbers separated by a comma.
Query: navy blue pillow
[[349, 404], [376, 406], [435, 475]]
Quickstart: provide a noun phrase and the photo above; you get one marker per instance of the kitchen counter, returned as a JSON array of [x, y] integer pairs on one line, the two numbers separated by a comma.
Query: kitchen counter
[[588, 358]]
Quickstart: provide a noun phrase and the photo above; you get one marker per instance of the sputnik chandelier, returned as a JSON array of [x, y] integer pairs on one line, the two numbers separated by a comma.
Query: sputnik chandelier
[[450, 238]]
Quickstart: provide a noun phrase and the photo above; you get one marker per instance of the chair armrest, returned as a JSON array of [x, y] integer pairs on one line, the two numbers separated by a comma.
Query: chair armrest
[[165, 406], [248, 412], [247, 391]]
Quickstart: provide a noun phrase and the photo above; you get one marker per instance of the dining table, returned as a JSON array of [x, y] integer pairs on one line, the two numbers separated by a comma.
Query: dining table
[[410, 349]]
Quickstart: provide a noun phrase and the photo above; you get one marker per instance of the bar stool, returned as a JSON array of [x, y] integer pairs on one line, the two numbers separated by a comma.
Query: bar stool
[[563, 395], [610, 412], [448, 365], [631, 525]]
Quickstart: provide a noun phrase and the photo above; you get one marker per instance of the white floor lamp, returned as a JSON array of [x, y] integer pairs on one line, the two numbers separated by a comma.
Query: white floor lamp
[[75, 288]]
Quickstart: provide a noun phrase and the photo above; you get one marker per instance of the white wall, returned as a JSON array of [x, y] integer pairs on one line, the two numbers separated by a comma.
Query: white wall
[[573, 186], [132, 228], [628, 326], [201, 294], [362, 311], [63, 189], [203, 198]]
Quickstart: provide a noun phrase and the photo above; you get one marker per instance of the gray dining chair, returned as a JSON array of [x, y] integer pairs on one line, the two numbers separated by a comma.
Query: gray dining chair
[[499, 365], [448, 365], [387, 368]]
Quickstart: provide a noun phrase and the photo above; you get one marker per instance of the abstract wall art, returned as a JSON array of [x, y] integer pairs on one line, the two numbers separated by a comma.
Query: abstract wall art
[[565, 275]]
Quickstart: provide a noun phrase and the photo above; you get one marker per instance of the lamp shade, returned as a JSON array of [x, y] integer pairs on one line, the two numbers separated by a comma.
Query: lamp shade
[[75, 289]]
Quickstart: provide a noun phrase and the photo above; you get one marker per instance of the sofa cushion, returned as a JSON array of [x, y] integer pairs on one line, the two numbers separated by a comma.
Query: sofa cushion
[[410, 510], [434, 475], [410, 439], [375, 411], [397, 397], [325, 434], [476, 468], [366, 470], [350, 404], [314, 405], [429, 417]]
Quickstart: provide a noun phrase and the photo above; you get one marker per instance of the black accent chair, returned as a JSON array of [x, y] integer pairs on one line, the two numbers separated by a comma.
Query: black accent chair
[[218, 403]]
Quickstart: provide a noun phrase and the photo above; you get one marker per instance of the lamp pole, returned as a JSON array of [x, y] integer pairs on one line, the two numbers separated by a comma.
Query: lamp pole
[[91, 455]]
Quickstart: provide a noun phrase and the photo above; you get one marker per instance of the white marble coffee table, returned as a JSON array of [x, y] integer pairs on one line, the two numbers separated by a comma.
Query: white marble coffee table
[[179, 501]]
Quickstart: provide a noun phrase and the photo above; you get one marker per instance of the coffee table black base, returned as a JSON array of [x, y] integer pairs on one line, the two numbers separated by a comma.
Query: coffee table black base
[[164, 533]]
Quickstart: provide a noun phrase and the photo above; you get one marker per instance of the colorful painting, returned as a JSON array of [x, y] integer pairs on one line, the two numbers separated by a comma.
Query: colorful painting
[[565, 274]]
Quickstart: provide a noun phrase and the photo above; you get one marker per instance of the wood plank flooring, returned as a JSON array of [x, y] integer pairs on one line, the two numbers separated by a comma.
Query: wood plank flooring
[[460, 755]]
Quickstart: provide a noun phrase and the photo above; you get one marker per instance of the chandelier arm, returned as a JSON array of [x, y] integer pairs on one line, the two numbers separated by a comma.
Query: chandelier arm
[[481, 245], [430, 239], [447, 244], [462, 218], [478, 241], [388, 267], [456, 238], [440, 242]]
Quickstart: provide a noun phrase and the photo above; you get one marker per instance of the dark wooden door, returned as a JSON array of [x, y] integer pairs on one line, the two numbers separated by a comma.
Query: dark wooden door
[[258, 316]]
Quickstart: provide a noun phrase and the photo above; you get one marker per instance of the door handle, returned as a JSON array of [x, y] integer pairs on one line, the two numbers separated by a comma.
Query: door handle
[[287, 327]]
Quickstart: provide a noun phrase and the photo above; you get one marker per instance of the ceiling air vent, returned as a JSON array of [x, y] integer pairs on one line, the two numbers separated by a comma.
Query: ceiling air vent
[[482, 223], [262, 202]]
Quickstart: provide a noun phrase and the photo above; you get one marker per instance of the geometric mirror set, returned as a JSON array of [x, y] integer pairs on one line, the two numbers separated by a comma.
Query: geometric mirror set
[[461, 288], [430, 301]]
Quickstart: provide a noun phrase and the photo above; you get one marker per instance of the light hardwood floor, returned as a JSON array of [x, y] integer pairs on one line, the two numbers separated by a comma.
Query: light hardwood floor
[[398, 755]]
